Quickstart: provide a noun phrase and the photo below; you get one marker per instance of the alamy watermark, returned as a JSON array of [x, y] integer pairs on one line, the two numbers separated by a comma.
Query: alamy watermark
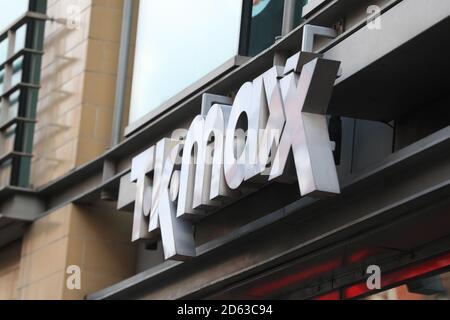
[[374, 280], [374, 18], [73, 281]]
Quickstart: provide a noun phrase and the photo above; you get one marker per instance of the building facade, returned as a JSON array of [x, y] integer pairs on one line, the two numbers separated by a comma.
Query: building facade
[[97, 94]]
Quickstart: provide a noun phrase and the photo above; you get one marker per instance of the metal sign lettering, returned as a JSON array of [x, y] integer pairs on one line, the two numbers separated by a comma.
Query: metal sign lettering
[[274, 130]]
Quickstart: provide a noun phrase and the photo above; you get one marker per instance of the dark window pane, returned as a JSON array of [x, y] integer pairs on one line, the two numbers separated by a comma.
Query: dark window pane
[[267, 20], [298, 12]]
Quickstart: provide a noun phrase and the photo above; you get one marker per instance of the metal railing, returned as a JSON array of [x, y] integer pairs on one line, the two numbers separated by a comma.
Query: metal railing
[[18, 99]]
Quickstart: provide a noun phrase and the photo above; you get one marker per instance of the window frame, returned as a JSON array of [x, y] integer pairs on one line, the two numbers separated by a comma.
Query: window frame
[[233, 63]]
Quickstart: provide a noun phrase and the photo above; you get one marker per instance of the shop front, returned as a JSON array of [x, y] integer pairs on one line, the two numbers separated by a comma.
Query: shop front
[[350, 178], [271, 150]]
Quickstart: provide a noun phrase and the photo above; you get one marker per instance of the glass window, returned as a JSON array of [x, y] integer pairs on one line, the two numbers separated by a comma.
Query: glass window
[[12, 10], [179, 42]]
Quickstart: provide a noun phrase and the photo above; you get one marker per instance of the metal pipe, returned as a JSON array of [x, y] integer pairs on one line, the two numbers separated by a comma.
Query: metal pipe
[[122, 71], [288, 17]]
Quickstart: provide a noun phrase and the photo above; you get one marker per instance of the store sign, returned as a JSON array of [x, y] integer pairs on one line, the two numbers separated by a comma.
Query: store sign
[[274, 130]]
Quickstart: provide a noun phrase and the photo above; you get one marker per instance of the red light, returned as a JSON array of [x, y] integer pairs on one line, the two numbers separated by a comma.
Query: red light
[[334, 295], [271, 287], [356, 291], [361, 255], [401, 275]]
